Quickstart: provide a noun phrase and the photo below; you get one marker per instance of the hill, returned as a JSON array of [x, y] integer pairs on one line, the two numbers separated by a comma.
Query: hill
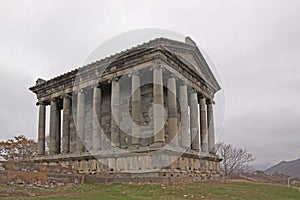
[[289, 168]]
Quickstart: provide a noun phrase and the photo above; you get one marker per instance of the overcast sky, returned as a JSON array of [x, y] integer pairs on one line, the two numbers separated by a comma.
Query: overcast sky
[[254, 45]]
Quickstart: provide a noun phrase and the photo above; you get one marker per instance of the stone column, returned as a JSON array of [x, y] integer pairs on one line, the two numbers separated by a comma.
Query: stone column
[[158, 105], [211, 129], [115, 113], [80, 121], [58, 132], [172, 111], [194, 125], [41, 128], [184, 116], [136, 108], [203, 125], [97, 118], [53, 126], [66, 124]]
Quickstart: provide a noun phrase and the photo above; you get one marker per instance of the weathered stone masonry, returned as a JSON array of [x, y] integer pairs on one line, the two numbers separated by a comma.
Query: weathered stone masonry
[[143, 111]]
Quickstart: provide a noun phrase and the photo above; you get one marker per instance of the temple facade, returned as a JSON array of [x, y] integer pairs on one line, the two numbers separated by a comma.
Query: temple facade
[[144, 111]]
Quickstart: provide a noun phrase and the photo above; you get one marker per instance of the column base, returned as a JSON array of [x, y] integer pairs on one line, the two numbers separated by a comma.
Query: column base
[[124, 147], [157, 144], [134, 146]]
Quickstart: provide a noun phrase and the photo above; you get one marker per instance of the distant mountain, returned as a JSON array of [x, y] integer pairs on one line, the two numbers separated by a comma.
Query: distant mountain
[[289, 168]]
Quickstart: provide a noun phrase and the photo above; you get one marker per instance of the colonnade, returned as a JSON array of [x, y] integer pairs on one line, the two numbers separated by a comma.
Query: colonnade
[[195, 116]]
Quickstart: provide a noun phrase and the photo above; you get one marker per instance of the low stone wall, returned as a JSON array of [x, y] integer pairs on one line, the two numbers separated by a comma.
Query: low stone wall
[[35, 173]]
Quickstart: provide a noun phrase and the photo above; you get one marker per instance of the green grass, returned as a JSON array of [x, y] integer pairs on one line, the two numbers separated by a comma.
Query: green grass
[[168, 191]]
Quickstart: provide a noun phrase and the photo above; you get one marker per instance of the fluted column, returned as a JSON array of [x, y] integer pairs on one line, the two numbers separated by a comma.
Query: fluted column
[[136, 108], [97, 118], [66, 124], [115, 113], [80, 121], [211, 129], [53, 127], [58, 132], [184, 116], [203, 125], [172, 111], [41, 128], [194, 127], [158, 101]]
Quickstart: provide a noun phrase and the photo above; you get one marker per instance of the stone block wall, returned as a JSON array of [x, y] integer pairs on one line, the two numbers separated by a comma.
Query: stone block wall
[[153, 167], [34, 173], [143, 163]]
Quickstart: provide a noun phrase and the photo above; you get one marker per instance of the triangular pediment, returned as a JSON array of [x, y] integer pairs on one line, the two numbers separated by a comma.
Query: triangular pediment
[[193, 58]]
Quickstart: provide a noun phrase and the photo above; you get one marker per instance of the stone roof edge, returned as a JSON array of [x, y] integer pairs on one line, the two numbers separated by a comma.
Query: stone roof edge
[[211, 76], [150, 43]]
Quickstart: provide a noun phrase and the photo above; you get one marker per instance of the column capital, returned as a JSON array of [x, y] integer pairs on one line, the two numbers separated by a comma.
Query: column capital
[[67, 95], [201, 96], [99, 86], [43, 103], [192, 90], [171, 75], [210, 101], [82, 91], [136, 73], [183, 83], [55, 99], [79, 90], [113, 79], [157, 65]]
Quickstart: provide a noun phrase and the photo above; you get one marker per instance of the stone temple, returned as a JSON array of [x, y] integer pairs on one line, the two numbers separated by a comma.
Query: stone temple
[[144, 112]]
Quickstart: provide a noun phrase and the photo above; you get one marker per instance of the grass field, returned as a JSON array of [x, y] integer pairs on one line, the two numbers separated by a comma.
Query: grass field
[[185, 190]]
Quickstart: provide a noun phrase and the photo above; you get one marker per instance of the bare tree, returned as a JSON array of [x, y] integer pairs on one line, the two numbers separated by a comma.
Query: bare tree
[[234, 159], [18, 148]]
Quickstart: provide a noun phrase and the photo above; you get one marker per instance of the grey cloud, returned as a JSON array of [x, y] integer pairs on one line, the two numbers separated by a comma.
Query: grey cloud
[[254, 45]]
